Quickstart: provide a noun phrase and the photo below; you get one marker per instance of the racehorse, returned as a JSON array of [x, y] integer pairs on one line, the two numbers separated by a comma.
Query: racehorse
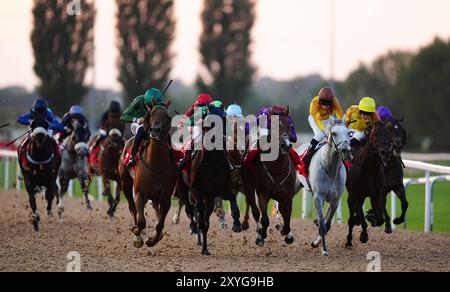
[[210, 177], [155, 175], [39, 161], [328, 176], [276, 180], [394, 172], [366, 178], [105, 163], [75, 164]]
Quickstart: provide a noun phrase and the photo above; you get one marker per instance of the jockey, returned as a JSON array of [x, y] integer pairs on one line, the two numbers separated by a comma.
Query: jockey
[[135, 114], [234, 110], [360, 118], [41, 112], [323, 110], [75, 114], [203, 100], [110, 119], [385, 113], [249, 159]]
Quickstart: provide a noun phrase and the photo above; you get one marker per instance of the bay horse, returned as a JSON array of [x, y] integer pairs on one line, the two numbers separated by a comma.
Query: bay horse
[[366, 179], [394, 173], [275, 180], [39, 161], [155, 175], [75, 164], [210, 177], [105, 163], [328, 176]]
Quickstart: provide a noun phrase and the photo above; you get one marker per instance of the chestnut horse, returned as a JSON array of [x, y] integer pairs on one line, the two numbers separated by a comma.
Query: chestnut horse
[[366, 178], [106, 166], [155, 175], [276, 180]]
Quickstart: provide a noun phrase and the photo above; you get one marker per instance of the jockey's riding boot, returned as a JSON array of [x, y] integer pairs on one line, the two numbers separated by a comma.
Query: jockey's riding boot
[[309, 155], [140, 135], [182, 163], [227, 158]]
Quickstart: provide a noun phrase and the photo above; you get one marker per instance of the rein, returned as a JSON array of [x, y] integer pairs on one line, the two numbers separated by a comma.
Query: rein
[[271, 177]]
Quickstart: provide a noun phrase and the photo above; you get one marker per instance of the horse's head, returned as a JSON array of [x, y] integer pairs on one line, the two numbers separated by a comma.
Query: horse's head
[[115, 139], [285, 128], [339, 140], [38, 137], [159, 121], [380, 141], [398, 135], [79, 138]]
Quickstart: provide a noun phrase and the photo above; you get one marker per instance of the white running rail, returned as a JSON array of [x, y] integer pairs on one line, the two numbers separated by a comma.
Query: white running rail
[[11, 157]]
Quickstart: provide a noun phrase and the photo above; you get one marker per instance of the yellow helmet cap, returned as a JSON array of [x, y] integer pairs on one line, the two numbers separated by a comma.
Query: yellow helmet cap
[[368, 105]]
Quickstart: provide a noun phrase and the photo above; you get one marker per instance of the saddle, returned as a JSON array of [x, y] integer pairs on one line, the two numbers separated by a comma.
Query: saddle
[[303, 169]]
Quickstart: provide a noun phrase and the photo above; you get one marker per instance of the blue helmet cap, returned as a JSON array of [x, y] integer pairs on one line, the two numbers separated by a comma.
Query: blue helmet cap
[[40, 105], [76, 110], [234, 110]]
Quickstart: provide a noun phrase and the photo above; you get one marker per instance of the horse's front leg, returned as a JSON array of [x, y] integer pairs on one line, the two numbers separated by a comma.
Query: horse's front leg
[[218, 207], [31, 189], [235, 213], [209, 209], [401, 194], [50, 193], [351, 222], [176, 218], [285, 208], [84, 182], [262, 234], [141, 222], [161, 211], [364, 237], [319, 205]]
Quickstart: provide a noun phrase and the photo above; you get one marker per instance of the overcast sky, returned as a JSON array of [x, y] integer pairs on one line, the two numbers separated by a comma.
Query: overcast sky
[[291, 37]]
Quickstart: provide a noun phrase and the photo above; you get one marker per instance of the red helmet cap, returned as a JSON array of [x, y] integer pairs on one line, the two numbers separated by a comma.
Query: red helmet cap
[[204, 99]]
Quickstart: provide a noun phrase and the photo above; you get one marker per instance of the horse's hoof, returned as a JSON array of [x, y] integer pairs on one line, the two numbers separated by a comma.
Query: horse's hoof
[[315, 244], [349, 244], [260, 241], [138, 242], [388, 230], [289, 240], [398, 221], [364, 238], [205, 252], [316, 222], [237, 228], [279, 227], [245, 226], [50, 214], [36, 227], [152, 242], [223, 225], [176, 220], [325, 253]]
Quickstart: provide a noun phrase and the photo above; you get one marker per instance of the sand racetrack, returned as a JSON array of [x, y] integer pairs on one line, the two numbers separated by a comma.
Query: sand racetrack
[[107, 246]]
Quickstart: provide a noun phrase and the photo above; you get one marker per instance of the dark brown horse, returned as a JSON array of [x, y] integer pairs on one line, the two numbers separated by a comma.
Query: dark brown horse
[[156, 175], [394, 173], [275, 180], [210, 177], [105, 164], [39, 161], [366, 179]]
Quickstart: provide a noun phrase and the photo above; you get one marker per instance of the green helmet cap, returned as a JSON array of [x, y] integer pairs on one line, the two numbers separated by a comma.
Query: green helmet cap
[[153, 95], [217, 104]]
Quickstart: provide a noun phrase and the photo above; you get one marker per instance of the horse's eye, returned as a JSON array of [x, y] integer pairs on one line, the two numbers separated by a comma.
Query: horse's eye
[[334, 134]]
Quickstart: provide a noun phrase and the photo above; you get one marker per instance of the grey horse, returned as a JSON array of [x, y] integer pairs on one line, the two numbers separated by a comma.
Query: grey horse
[[328, 176], [75, 164]]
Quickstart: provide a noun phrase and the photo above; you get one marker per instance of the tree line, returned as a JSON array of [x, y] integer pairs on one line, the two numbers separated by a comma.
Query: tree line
[[414, 84]]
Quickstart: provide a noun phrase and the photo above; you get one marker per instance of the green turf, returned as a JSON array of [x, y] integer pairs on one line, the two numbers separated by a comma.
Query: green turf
[[415, 196]]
